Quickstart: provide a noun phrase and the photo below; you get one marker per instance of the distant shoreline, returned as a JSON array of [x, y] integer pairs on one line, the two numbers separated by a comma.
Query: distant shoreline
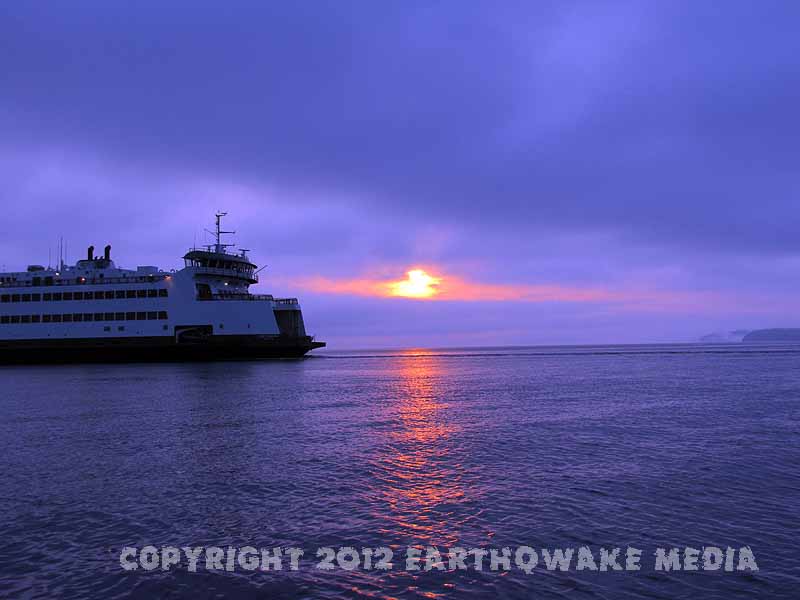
[[773, 335]]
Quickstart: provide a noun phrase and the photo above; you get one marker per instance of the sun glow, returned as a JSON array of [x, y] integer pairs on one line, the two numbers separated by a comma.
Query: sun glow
[[435, 283], [418, 284]]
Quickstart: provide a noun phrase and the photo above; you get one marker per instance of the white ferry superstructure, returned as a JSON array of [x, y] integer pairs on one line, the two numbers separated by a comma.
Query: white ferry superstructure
[[95, 311]]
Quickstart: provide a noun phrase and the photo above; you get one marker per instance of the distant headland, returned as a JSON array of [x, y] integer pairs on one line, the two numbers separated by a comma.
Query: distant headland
[[773, 335], [755, 335]]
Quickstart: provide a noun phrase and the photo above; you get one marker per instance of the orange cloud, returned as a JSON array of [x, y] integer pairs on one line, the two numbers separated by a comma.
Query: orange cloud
[[419, 284], [430, 284]]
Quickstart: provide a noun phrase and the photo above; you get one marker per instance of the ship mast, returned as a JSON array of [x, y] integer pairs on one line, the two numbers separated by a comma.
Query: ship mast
[[219, 247]]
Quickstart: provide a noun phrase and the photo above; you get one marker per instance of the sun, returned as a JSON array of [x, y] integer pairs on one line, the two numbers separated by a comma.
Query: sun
[[418, 284]]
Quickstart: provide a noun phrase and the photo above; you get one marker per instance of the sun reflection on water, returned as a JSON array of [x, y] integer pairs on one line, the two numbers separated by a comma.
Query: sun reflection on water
[[419, 471]]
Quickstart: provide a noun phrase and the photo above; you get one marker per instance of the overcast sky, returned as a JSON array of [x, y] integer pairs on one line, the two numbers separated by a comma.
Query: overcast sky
[[577, 172]]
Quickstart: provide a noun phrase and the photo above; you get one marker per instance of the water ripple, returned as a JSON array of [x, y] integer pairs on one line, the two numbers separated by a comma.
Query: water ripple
[[645, 446]]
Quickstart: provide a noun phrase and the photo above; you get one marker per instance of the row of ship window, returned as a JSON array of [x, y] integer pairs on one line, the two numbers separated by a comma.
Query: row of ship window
[[84, 317], [107, 295]]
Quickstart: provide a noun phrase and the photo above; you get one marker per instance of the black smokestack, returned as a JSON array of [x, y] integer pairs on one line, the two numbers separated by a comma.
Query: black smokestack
[[89, 252], [108, 252]]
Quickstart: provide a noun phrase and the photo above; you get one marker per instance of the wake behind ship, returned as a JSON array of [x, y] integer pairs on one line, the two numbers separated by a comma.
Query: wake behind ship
[[94, 311]]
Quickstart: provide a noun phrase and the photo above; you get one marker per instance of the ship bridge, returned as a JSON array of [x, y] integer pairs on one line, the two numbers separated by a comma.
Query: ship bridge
[[215, 261], [224, 264]]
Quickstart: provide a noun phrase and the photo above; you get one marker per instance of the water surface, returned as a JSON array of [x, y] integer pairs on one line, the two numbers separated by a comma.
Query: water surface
[[643, 446]]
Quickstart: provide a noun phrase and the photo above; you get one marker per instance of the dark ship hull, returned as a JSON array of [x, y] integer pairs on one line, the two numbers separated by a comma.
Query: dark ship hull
[[156, 349]]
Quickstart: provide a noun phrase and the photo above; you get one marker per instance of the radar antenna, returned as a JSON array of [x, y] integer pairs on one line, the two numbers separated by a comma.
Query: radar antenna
[[219, 247]]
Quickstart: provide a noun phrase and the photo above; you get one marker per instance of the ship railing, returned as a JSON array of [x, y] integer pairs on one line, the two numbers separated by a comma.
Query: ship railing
[[251, 277], [235, 296], [252, 297]]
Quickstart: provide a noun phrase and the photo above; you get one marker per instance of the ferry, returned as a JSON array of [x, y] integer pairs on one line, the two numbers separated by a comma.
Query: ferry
[[94, 311]]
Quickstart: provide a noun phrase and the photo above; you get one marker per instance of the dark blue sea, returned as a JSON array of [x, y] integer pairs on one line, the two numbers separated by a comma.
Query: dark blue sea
[[566, 447]]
